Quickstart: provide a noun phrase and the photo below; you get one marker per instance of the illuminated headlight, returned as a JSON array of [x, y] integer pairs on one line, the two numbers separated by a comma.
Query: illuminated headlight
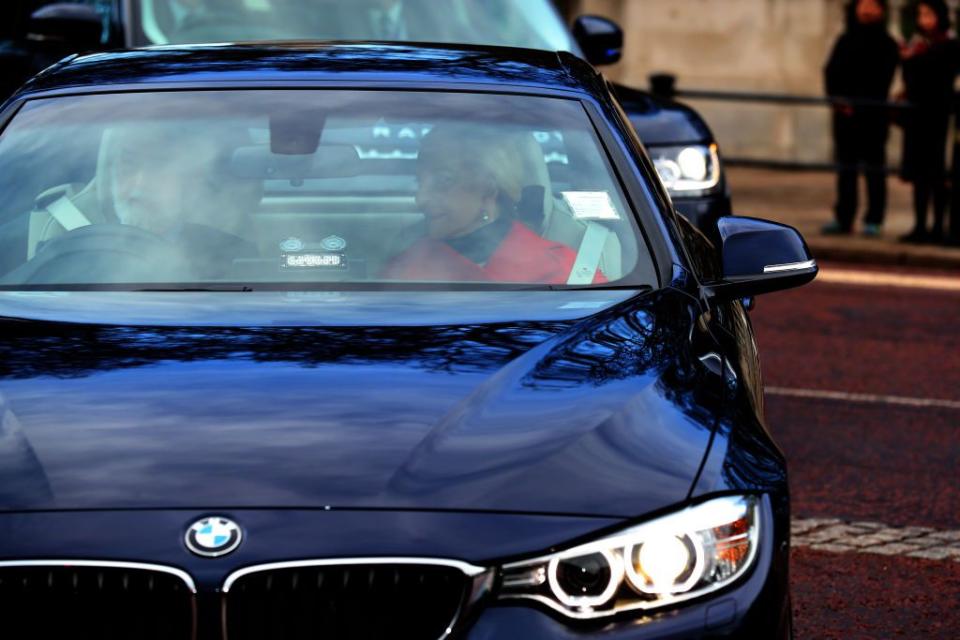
[[675, 558], [687, 169]]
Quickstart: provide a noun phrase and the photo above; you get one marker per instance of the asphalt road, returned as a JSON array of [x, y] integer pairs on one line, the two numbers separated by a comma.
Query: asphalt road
[[863, 394]]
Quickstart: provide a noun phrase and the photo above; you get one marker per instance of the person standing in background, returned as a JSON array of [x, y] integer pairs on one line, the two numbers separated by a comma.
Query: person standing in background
[[953, 237], [930, 65], [861, 67]]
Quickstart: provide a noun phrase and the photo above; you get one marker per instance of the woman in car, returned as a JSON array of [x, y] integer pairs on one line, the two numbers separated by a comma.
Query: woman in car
[[469, 190]]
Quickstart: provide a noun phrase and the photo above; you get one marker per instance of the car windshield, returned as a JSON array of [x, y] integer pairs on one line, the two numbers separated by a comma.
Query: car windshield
[[533, 24], [311, 187]]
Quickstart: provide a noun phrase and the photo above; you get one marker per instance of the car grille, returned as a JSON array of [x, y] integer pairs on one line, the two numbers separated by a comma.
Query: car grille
[[93, 603], [346, 602]]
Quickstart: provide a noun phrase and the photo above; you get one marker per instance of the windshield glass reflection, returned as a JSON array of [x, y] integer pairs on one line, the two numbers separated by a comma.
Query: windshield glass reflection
[[532, 24], [313, 187]]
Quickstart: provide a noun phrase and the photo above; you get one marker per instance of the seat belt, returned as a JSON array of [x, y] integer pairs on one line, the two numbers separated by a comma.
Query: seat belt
[[67, 215], [589, 255]]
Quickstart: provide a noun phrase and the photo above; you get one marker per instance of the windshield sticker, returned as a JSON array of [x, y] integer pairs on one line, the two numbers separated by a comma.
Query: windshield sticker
[[313, 261], [591, 205], [291, 245], [333, 243]]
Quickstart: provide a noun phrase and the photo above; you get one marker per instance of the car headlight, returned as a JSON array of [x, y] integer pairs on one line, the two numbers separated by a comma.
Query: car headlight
[[674, 558], [685, 170]]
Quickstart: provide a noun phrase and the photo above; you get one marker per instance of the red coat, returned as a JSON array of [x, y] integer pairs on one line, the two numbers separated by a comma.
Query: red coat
[[523, 256]]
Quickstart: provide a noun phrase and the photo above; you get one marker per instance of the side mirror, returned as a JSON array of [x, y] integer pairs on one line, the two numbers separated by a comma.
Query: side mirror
[[759, 257], [600, 39], [70, 25]]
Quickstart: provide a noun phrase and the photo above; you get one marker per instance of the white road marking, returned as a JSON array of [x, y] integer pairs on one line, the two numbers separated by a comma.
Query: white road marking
[[838, 536], [870, 398], [881, 279]]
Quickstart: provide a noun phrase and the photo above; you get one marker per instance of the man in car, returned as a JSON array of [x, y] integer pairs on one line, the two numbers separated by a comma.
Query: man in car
[[170, 182]]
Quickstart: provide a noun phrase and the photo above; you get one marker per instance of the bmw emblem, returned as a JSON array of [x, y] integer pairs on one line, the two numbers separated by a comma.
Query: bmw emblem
[[291, 245], [333, 243], [213, 537]]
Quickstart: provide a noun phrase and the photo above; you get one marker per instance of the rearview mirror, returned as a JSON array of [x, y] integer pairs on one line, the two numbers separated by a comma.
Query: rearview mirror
[[326, 161], [70, 25], [600, 39], [759, 257]]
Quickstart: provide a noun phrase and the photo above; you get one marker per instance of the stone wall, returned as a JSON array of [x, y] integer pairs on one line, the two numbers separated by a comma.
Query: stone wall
[[776, 46]]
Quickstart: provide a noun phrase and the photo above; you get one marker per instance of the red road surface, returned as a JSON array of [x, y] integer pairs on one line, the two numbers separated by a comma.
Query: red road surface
[[858, 597], [868, 461]]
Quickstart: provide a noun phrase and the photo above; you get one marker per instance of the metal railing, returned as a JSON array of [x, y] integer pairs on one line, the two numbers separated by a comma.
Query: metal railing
[[664, 85]]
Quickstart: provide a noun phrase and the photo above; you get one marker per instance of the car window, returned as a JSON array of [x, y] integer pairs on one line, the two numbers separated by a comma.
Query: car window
[[313, 187], [531, 24]]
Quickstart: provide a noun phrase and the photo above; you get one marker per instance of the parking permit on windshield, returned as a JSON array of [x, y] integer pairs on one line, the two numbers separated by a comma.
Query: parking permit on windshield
[[591, 205], [325, 260]]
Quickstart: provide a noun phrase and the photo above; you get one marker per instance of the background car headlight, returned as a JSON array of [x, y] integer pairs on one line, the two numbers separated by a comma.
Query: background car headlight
[[678, 557], [687, 170]]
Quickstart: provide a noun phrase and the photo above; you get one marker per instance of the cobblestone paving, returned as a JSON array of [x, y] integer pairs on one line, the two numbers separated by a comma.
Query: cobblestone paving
[[839, 536]]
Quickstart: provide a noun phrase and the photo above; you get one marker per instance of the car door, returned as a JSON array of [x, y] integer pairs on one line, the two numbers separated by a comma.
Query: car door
[[727, 321]]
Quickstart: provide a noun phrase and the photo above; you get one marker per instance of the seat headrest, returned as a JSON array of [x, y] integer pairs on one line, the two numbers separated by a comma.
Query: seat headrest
[[535, 178]]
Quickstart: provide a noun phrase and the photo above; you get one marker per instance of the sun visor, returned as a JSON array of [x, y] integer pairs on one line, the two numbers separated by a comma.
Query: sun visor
[[328, 161]]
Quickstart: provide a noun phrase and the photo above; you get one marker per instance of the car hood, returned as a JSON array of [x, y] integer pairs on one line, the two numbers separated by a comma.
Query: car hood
[[662, 122], [585, 403]]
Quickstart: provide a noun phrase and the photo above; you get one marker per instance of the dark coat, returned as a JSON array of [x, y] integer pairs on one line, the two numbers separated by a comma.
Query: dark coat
[[929, 78], [861, 66], [929, 75]]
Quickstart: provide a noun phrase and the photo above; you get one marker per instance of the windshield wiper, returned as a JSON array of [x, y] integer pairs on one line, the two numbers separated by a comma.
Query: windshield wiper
[[228, 289], [603, 287]]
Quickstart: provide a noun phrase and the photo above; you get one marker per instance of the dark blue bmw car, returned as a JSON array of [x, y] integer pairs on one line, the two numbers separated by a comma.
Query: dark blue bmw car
[[267, 374]]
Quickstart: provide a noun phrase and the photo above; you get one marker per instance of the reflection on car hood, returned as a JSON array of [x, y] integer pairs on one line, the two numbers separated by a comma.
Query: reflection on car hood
[[587, 403]]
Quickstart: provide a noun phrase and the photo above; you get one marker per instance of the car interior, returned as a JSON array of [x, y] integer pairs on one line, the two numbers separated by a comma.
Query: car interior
[[335, 202]]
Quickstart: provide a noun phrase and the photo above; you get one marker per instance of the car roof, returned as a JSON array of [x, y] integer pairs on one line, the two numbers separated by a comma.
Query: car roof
[[322, 63]]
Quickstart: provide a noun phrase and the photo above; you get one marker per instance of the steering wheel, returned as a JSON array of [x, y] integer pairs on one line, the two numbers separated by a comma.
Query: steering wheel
[[104, 253]]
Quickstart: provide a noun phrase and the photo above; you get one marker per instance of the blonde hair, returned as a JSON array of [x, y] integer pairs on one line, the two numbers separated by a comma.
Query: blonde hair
[[488, 156]]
